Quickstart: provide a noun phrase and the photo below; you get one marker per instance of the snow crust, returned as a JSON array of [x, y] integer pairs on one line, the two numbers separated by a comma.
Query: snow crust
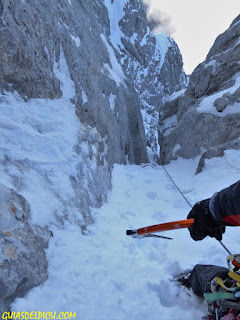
[[105, 274]]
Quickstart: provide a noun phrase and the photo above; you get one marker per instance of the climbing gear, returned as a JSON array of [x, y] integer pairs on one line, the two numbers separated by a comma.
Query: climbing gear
[[145, 231], [233, 260], [224, 298]]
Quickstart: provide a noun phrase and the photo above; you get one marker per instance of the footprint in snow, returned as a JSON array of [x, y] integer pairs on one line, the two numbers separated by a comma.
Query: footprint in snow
[[151, 195]]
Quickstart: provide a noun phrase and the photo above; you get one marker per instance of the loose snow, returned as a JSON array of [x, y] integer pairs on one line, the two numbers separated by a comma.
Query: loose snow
[[105, 274]]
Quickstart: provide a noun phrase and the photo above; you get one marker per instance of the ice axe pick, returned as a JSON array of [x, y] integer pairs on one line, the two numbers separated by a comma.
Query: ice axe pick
[[148, 231]]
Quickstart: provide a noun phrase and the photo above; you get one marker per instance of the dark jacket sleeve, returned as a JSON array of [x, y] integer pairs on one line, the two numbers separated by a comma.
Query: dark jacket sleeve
[[226, 205]]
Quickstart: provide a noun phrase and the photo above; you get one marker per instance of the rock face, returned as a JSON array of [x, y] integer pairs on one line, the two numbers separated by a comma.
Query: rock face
[[74, 76], [34, 35], [154, 62], [204, 119], [20, 267]]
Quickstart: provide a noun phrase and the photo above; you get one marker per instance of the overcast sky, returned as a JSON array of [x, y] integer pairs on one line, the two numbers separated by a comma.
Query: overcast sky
[[194, 25]]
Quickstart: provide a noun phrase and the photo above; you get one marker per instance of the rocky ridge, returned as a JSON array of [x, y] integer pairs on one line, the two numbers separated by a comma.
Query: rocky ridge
[[204, 119]]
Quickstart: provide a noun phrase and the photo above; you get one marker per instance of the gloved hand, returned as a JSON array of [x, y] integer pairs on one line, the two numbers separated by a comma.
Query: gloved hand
[[204, 223]]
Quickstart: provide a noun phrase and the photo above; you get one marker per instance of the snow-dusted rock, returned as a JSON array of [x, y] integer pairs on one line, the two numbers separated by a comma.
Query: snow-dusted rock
[[207, 114], [153, 63], [23, 264]]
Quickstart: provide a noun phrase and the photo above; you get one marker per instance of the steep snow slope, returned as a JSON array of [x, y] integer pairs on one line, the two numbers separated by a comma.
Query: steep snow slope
[[104, 274]]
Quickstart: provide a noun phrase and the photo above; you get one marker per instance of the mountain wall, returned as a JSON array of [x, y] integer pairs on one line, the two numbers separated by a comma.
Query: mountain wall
[[153, 62], [74, 76], [204, 119]]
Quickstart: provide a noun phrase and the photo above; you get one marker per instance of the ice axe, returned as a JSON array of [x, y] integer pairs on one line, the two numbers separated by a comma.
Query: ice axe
[[148, 231]]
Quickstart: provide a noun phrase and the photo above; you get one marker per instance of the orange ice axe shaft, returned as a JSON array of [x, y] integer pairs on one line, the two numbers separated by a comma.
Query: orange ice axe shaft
[[161, 227], [146, 231]]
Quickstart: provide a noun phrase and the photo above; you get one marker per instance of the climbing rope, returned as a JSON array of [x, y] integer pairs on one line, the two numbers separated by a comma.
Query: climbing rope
[[225, 248], [176, 186]]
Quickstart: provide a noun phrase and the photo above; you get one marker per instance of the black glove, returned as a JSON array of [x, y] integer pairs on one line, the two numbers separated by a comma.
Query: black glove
[[204, 223]]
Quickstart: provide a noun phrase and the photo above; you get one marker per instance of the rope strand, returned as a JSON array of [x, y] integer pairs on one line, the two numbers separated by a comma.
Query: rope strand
[[228, 251], [177, 186]]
